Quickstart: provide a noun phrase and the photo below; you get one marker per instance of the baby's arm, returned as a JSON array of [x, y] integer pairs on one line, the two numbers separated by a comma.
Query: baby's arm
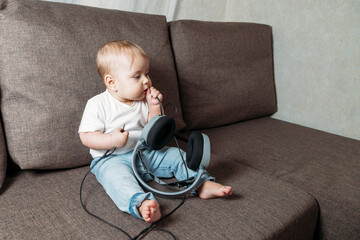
[[103, 141], [151, 97]]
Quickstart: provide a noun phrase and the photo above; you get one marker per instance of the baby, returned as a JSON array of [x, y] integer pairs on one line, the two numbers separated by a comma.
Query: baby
[[130, 100]]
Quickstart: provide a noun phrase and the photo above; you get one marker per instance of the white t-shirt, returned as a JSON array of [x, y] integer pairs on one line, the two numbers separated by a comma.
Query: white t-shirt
[[105, 113]]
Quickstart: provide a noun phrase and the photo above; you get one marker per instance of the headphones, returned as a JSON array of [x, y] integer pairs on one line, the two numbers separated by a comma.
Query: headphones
[[155, 135]]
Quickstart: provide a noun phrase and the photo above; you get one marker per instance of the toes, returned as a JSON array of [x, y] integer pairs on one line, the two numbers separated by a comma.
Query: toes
[[227, 191], [147, 216], [152, 204], [151, 211]]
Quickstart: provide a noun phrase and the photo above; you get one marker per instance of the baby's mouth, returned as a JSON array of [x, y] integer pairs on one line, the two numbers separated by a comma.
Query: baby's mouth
[[145, 91]]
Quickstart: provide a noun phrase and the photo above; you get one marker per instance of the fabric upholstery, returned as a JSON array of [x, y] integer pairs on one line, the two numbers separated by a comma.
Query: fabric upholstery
[[48, 72], [3, 157], [225, 71], [323, 164], [282, 174], [262, 207]]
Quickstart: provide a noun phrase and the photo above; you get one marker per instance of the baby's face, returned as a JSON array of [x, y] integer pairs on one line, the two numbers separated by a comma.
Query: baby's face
[[131, 76]]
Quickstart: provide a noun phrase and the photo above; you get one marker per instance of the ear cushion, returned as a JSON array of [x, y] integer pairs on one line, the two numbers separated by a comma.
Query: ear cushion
[[160, 133], [194, 150]]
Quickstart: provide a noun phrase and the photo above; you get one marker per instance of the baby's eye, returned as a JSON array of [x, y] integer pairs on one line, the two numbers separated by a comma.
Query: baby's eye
[[137, 76]]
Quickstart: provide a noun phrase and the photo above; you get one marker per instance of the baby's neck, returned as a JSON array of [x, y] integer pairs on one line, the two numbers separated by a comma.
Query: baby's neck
[[124, 101]]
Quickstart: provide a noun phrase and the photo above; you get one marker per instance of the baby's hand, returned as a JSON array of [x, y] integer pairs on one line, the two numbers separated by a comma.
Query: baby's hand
[[151, 96], [119, 137]]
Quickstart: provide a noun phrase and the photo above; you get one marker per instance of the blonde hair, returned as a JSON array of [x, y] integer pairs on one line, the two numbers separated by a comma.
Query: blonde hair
[[106, 54]]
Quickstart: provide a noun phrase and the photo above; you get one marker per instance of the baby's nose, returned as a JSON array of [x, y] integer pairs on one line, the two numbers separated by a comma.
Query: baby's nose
[[147, 81]]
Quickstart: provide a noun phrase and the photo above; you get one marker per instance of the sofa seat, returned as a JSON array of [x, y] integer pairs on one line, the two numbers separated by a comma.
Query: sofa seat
[[322, 164], [45, 205]]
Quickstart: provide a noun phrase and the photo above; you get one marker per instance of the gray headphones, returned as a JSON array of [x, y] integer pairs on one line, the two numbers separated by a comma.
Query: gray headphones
[[155, 135]]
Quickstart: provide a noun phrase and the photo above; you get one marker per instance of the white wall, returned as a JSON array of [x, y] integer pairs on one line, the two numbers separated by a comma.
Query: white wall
[[160, 7], [316, 52], [317, 60]]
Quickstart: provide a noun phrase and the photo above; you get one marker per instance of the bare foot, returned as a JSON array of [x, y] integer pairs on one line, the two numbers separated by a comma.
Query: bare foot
[[149, 210], [211, 189]]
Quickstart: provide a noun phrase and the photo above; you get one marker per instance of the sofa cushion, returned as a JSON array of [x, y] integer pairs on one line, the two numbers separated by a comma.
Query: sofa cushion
[[3, 157], [225, 71], [48, 72], [261, 207], [322, 164]]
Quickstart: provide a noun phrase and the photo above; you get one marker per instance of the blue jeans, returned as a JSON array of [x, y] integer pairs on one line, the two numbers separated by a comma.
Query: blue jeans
[[115, 174]]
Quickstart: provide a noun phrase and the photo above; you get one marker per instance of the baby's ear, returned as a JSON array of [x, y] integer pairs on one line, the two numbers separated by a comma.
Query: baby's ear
[[109, 82]]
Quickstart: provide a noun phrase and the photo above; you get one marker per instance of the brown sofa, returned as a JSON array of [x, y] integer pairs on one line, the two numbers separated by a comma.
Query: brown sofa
[[289, 181]]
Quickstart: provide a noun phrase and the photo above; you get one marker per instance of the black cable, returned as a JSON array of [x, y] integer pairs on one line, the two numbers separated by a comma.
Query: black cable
[[162, 218], [165, 106], [177, 144], [146, 230], [106, 154], [175, 108], [161, 110]]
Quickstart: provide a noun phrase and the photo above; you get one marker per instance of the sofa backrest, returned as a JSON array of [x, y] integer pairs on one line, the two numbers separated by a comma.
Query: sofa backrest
[[48, 72], [225, 71]]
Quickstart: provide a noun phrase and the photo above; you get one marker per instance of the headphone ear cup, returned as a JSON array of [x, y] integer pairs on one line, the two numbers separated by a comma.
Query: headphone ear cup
[[160, 133], [194, 150]]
